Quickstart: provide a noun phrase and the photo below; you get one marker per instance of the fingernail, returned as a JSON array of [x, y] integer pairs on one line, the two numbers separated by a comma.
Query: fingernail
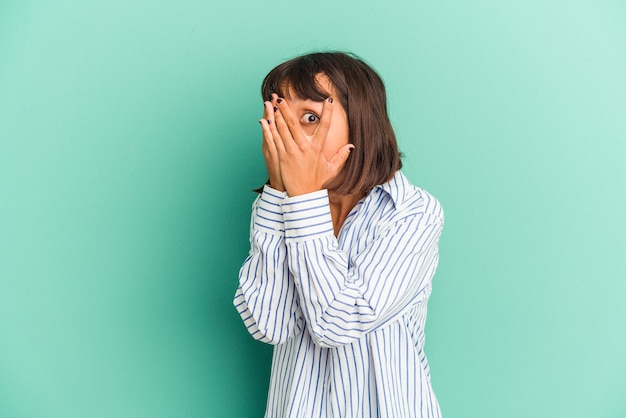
[[275, 109], [279, 100], [269, 121], [330, 100]]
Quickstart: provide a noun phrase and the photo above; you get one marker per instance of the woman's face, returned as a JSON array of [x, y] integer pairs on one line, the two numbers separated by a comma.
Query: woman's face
[[309, 111]]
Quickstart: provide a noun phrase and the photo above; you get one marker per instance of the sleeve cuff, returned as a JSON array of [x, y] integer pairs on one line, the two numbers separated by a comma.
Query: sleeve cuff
[[307, 216], [268, 216]]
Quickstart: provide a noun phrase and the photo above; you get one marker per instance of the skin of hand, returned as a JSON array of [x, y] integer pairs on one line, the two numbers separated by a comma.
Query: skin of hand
[[270, 152], [306, 163]]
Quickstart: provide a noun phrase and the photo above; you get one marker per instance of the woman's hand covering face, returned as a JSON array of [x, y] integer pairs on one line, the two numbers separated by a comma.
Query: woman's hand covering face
[[303, 151]]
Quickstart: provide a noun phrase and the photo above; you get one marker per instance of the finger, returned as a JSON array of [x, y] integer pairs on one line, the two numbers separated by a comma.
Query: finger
[[282, 129], [267, 132], [325, 119], [268, 116], [270, 153], [292, 122], [340, 158], [266, 106], [266, 123], [272, 107], [269, 107], [276, 137], [269, 148]]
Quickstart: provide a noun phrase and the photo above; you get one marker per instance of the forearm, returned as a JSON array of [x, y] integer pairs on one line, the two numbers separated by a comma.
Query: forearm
[[266, 297]]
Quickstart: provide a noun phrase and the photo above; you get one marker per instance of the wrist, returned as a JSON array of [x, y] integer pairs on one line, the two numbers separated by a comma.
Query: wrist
[[303, 189], [277, 186]]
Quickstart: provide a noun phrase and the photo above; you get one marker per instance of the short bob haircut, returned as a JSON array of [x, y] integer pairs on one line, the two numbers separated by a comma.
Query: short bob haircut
[[360, 90]]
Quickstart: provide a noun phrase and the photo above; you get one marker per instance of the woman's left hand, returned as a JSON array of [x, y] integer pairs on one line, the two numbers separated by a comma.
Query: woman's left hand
[[303, 166]]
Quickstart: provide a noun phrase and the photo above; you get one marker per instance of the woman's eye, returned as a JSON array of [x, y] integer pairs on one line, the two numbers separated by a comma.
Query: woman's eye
[[310, 117]]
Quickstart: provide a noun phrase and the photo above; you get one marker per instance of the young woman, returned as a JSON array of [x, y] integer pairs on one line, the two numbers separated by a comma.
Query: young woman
[[343, 249]]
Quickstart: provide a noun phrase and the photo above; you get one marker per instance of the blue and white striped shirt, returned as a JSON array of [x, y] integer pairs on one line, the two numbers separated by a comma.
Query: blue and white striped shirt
[[346, 314]]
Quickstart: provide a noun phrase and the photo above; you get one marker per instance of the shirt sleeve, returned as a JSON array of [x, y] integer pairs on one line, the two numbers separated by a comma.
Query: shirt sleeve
[[344, 299], [266, 298]]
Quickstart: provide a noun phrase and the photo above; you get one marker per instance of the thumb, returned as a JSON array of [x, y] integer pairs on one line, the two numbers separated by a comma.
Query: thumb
[[340, 158]]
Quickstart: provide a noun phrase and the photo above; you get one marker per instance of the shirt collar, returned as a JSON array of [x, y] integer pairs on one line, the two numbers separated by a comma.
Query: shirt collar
[[398, 188]]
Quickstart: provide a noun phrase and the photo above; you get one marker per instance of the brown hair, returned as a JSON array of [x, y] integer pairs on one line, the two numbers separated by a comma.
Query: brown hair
[[375, 157]]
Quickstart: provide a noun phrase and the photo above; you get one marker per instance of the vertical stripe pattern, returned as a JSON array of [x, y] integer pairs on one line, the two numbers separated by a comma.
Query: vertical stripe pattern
[[346, 314]]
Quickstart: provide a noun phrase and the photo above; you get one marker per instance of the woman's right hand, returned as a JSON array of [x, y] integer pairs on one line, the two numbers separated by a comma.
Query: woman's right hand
[[269, 147]]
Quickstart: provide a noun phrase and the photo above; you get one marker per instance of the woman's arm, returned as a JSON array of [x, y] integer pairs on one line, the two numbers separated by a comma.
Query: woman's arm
[[266, 298], [344, 299]]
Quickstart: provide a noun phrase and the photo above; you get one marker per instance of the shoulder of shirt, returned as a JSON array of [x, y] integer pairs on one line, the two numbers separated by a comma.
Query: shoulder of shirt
[[409, 198]]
